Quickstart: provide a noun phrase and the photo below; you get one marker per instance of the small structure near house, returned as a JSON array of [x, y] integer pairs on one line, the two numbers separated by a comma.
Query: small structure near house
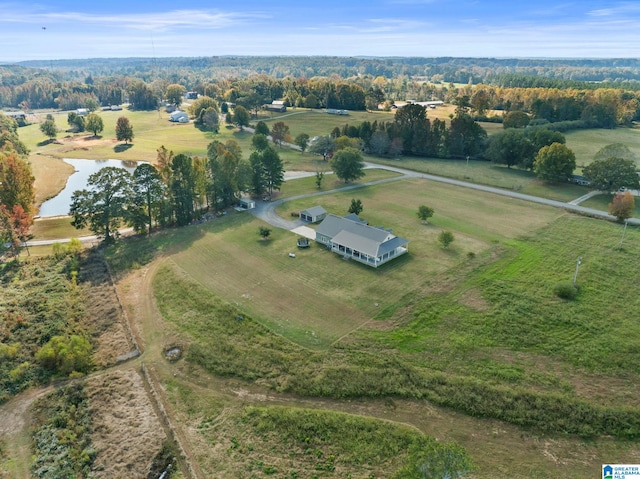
[[303, 242], [360, 242], [191, 95], [313, 215], [179, 117], [246, 203]]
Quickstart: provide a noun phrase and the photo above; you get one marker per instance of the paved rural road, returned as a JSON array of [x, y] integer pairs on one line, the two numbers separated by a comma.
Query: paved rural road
[[265, 210]]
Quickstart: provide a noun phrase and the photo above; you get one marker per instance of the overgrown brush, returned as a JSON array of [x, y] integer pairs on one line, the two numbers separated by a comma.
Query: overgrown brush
[[39, 300], [344, 444], [61, 438]]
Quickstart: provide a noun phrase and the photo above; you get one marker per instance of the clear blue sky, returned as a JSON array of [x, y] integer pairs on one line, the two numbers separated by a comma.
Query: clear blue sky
[[480, 28]]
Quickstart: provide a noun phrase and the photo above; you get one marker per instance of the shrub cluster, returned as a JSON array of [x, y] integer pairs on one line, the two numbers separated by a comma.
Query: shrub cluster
[[62, 435], [565, 290], [39, 301]]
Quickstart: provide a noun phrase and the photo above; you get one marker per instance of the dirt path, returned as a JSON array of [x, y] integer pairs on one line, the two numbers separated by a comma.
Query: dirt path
[[14, 432]]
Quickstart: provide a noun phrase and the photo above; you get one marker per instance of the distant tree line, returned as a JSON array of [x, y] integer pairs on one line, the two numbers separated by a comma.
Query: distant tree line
[[544, 99], [445, 69]]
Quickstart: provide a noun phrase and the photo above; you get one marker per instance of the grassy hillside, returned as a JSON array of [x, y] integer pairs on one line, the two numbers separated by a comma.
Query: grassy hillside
[[586, 143]]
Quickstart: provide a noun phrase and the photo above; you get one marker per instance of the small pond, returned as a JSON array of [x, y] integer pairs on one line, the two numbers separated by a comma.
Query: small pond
[[59, 205]]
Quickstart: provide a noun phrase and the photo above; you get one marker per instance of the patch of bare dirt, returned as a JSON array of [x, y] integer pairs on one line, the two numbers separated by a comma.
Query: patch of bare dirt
[[386, 325], [105, 315], [472, 298], [73, 143], [126, 431], [15, 440]]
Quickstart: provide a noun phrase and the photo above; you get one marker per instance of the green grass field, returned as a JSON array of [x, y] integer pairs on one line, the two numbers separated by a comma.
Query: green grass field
[[151, 130], [319, 123], [485, 336], [586, 143], [57, 227], [320, 286]]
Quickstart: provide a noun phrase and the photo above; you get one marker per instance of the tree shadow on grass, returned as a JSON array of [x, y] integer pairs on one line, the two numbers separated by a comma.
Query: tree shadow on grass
[[122, 148], [46, 142]]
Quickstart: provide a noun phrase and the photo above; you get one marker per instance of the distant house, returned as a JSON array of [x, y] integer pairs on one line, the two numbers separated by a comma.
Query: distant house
[[246, 203], [15, 114], [116, 107], [179, 117], [82, 111], [277, 106], [313, 215], [333, 111], [191, 95], [426, 104], [360, 242]]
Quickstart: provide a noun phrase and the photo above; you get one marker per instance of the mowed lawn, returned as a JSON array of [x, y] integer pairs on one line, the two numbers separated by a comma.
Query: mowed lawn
[[151, 130], [317, 297], [319, 123]]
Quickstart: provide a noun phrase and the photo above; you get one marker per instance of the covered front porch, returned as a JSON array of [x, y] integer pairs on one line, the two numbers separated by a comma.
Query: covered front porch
[[368, 259]]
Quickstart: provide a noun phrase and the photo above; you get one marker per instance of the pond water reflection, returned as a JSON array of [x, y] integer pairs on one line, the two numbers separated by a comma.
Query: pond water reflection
[[59, 205]]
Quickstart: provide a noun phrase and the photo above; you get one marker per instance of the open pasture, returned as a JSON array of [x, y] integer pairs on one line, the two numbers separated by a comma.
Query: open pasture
[[586, 143], [317, 297], [319, 123], [151, 130], [485, 336], [301, 186]]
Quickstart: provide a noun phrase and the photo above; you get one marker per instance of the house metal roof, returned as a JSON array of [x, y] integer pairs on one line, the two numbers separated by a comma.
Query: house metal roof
[[359, 236]]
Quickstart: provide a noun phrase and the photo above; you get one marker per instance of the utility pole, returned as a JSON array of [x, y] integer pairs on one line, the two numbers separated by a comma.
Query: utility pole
[[623, 233], [575, 275]]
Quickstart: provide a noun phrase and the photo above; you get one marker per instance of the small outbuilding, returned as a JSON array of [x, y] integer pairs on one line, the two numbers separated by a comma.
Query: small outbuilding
[[246, 203], [313, 215], [179, 117]]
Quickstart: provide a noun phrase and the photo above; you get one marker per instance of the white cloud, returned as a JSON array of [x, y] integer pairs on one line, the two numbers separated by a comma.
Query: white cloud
[[619, 9], [203, 19]]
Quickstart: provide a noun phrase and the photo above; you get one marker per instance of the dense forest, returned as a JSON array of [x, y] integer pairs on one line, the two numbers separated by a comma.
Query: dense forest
[[600, 93], [445, 69]]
